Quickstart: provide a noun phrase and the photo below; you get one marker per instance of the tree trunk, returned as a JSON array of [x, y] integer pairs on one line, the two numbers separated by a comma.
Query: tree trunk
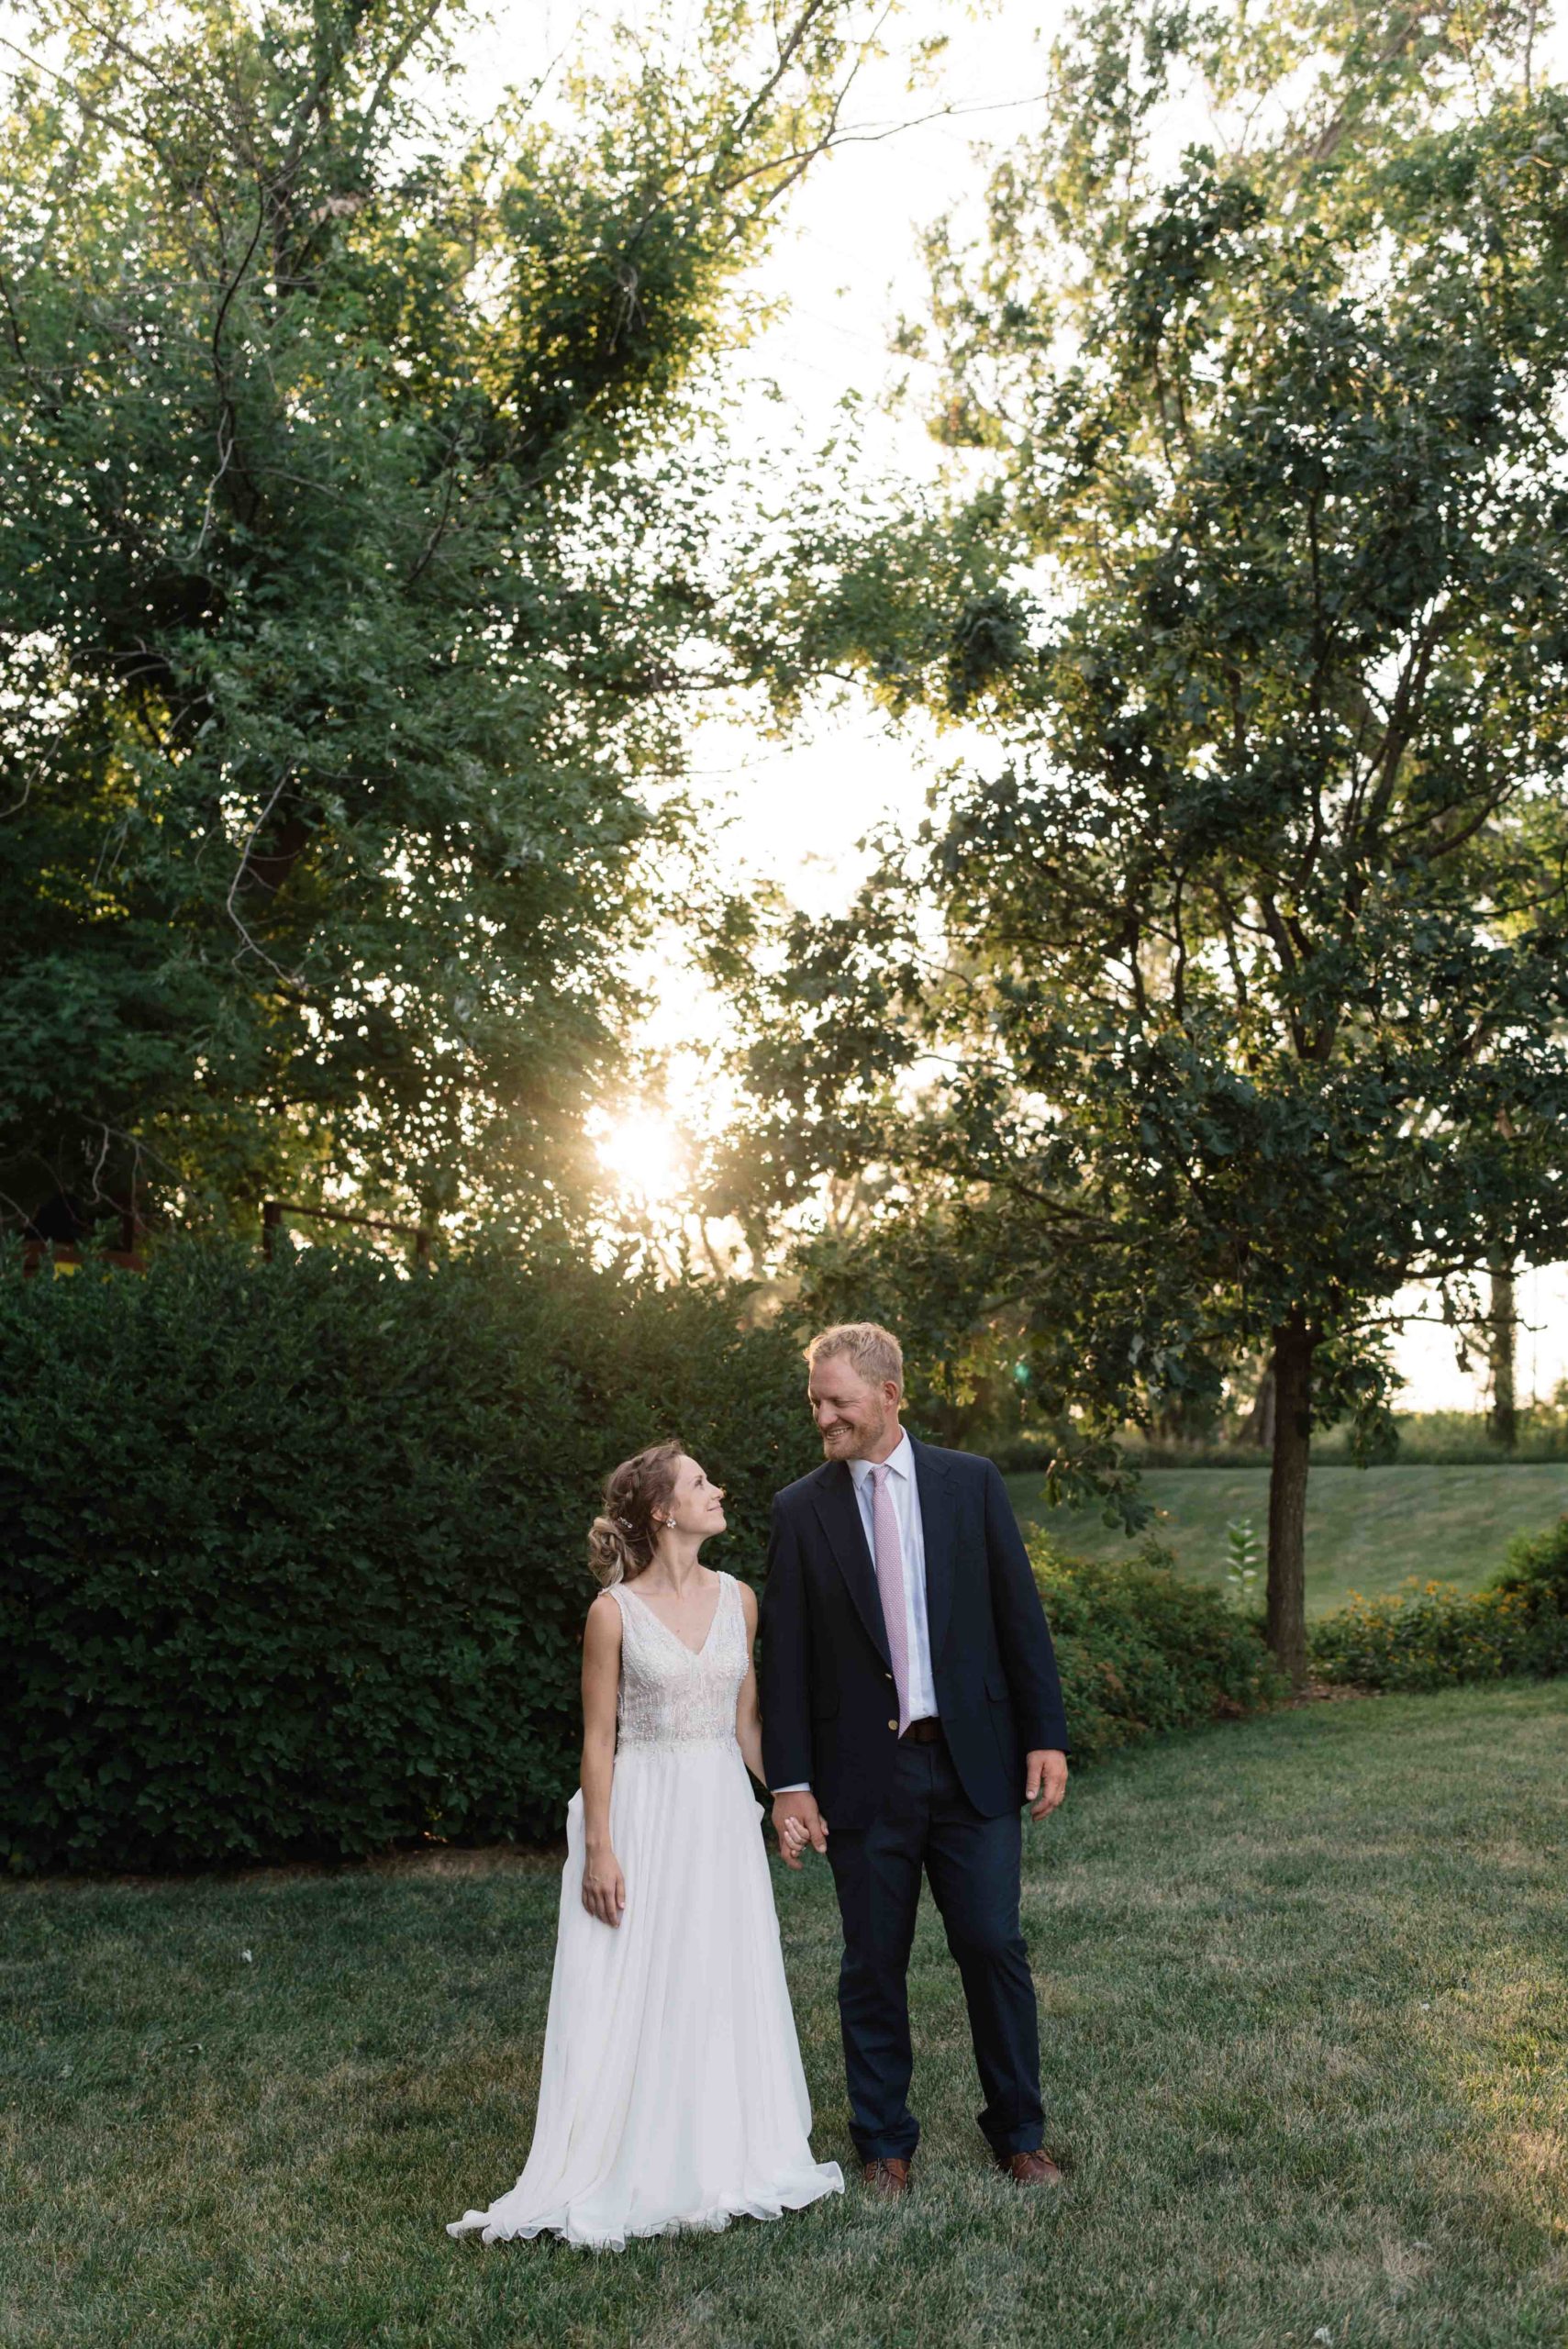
[[1502, 1330], [1257, 1426], [1294, 1343]]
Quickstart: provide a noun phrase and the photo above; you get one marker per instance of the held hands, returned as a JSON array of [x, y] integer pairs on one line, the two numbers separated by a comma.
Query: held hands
[[604, 1886], [1045, 1782], [798, 1823]]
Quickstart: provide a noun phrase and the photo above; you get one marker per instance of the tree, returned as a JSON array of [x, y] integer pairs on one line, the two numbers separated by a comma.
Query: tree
[[355, 504], [1502, 1340], [1228, 1000]]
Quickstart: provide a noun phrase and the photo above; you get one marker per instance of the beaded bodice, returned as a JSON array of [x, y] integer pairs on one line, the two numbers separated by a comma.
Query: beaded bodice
[[670, 1694]]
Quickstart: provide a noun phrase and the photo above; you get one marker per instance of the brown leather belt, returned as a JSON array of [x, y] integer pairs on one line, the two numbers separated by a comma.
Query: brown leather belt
[[922, 1732]]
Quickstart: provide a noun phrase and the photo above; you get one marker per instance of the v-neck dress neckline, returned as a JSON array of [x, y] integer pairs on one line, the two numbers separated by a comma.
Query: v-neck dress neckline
[[696, 1654]]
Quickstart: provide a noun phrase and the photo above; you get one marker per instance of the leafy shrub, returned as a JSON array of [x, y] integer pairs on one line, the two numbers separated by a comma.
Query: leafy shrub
[[1434, 1635], [1142, 1651], [294, 1555], [1536, 1571]]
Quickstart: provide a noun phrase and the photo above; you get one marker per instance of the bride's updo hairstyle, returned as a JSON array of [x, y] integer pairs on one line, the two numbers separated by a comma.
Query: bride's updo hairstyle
[[621, 1543]]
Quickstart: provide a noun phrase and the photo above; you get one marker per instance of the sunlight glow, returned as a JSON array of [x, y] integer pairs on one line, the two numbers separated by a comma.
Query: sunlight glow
[[647, 1157]]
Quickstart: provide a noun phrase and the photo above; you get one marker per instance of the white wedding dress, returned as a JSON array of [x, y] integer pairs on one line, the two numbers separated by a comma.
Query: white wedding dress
[[672, 2093]]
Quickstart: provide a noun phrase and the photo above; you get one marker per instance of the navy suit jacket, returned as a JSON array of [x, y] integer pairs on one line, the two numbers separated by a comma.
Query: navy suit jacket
[[830, 1709]]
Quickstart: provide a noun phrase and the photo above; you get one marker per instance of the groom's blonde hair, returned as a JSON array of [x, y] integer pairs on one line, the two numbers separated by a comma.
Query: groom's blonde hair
[[873, 1350]]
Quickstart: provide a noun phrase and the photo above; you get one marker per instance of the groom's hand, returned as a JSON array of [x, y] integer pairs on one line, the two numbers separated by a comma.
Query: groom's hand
[[798, 1811], [1045, 1782]]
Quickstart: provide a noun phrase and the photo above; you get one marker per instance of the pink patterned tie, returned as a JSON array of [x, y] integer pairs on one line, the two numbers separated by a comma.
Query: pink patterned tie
[[889, 1556]]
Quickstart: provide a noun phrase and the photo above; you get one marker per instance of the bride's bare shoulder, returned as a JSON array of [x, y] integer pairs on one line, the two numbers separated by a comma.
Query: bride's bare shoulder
[[602, 1629]]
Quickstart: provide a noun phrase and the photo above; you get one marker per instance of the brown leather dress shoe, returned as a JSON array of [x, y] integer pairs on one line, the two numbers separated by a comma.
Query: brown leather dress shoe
[[1029, 2169], [887, 2178]]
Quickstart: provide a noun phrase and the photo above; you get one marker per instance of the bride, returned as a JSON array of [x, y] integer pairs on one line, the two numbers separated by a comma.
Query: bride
[[672, 2093]]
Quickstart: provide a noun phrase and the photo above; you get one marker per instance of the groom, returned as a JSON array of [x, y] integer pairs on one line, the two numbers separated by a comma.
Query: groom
[[910, 1702]]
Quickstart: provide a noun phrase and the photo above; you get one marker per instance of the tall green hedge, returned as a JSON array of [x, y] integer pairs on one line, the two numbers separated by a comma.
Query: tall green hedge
[[292, 1555]]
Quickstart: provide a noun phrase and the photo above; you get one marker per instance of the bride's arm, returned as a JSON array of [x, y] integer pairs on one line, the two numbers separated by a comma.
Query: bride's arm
[[604, 1886], [747, 1720]]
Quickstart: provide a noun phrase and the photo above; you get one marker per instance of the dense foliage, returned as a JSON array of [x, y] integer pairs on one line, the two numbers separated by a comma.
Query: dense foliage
[[1141, 1651], [358, 568], [1434, 1635], [293, 1555], [1227, 995]]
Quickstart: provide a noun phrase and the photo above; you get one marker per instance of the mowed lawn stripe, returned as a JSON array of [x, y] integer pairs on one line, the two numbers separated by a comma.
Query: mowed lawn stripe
[[1306, 2029], [1367, 1528]]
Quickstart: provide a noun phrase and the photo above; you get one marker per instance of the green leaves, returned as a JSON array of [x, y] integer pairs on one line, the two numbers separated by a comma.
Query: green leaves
[[1230, 989], [1143, 1652], [355, 537], [293, 1553], [1432, 1635]]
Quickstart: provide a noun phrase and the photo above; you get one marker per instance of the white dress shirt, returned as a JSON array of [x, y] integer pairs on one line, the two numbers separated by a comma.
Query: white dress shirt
[[904, 1492]]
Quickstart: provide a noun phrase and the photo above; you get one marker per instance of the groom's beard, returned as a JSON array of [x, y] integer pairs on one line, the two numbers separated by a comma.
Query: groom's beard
[[843, 1442]]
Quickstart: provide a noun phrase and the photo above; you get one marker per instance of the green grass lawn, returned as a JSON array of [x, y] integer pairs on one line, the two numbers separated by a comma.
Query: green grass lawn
[[1367, 1528], [1304, 1994]]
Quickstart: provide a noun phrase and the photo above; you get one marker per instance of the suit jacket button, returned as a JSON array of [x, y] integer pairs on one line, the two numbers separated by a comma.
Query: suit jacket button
[[892, 1724], [887, 1675]]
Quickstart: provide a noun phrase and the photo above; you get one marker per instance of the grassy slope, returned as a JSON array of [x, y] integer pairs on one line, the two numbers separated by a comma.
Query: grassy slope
[[1366, 1529], [1305, 2020]]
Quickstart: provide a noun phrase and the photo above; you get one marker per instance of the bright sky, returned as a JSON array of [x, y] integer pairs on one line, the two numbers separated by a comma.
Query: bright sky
[[848, 263]]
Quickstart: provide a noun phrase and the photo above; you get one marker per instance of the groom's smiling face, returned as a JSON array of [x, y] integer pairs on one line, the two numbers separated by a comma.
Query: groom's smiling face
[[855, 1419]]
